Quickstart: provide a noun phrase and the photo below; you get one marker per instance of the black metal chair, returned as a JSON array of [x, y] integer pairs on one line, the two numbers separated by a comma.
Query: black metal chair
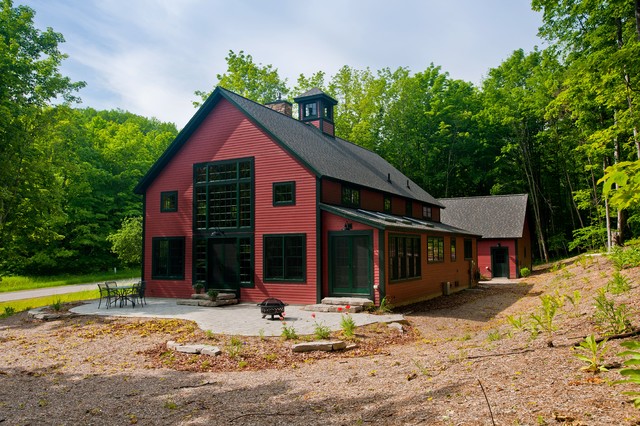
[[141, 287], [106, 294], [112, 289]]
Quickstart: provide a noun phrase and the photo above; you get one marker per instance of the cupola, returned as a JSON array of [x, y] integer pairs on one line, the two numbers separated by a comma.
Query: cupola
[[316, 107]]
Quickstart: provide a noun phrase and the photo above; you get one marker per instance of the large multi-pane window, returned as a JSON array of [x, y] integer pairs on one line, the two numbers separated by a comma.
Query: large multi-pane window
[[435, 249], [223, 194], [404, 257], [167, 255], [284, 257], [202, 258]]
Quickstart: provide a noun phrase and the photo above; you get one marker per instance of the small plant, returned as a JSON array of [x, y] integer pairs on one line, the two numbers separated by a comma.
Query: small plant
[[57, 305], [8, 311], [321, 331], [544, 319], [347, 324], [270, 357], [170, 405], [632, 372], [525, 272], [213, 295], [625, 258], [288, 332], [612, 319], [261, 333], [516, 322], [494, 335], [235, 347], [619, 284], [592, 353], [385, 307], [198, 287], [243, 364]]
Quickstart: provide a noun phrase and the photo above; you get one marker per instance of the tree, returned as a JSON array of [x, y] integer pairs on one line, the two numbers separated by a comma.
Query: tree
[[127, 241], [253, 81]]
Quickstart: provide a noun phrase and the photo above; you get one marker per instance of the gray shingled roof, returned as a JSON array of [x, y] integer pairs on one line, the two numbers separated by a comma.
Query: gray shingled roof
[[392, 222], [498, 216], [324, 155]]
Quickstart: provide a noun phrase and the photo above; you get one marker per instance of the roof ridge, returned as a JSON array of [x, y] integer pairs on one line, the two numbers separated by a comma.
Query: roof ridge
[[484, 196]]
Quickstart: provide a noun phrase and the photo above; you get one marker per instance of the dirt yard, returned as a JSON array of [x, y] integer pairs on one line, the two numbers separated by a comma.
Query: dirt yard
[[466, 359]]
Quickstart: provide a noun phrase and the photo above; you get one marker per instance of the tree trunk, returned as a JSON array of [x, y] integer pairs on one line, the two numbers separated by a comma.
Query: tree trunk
[[606, 212]]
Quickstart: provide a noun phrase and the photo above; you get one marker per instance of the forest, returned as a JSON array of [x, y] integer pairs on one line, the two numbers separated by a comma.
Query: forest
[[559, 123]]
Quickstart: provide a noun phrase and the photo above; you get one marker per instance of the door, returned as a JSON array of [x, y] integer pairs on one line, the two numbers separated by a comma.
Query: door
[[500, 262], [350, 264], [223, 264]]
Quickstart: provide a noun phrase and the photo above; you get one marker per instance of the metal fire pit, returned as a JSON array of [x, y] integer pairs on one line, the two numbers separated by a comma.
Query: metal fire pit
[[272, 307]]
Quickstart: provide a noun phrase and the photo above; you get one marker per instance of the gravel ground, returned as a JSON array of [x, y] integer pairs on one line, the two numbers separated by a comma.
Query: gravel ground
[[460, 361]]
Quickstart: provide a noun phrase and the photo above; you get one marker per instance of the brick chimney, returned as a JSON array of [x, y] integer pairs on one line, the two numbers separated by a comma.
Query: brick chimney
[[283, 107]]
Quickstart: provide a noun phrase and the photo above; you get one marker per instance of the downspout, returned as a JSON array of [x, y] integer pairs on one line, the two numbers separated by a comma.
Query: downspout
[[319, 232]]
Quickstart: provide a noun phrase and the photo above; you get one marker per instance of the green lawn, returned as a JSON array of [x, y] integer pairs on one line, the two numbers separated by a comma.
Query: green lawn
[[15, 306], [28, 283]]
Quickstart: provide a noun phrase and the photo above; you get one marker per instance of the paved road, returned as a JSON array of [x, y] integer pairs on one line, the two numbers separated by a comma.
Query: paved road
[[50, 291]]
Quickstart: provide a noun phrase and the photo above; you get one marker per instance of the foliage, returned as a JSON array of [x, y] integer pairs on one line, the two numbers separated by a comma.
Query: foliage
[[632, 372], [624, 258], [321, 331], [385, 306], [348, 326], [611, 318], [26, 304], [288, 332], [213, 294], [17, 283], [546, 315], [618, 284], [127, 241], [592, 353], [57, 305], [525, 272]]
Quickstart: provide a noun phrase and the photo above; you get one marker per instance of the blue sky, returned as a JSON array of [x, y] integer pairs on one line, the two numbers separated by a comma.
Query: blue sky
[[149, 56]]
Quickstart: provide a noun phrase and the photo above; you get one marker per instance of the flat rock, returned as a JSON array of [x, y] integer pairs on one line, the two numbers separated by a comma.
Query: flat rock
[[320, 345], [396, 326], [189, 349], [211, 350], [333, 308], [171, 344], [352, 301]]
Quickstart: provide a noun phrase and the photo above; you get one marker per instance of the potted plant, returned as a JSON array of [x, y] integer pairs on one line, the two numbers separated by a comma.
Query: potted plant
[[198, 287], [213, 295]]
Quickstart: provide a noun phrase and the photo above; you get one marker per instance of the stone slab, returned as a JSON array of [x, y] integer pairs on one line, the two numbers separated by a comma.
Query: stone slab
[[352, 301], [189, 349], [320, 345], [211, 350], [333, 308], [206, 302]]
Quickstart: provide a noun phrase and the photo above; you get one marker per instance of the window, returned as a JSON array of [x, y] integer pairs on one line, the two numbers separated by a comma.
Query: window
[[468, 249], [427, 212], [453, 249], [435, 249], [387, 204], [326, 111], [284, 257], [404, 257], [284, 193], [310, 110], [409, 209], [169, 201], [223, 194], [167, 258], [244, 268], [350, 196]]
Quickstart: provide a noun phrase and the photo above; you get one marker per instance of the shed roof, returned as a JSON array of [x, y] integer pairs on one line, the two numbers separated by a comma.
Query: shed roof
[[324, 155], [497, 216]]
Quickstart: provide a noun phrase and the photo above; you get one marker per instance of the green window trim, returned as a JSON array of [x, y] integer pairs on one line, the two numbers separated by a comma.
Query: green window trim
[[284, 194], [468, 249], [167, 258], [350, 196], [452, 252], [169, 201], [284, 258], [405, 258], [435, 249], [427, 212], [223, 195], [386, 204]]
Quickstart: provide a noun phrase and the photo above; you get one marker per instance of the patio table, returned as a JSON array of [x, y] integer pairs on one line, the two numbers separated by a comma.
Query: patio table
[[125, 293]]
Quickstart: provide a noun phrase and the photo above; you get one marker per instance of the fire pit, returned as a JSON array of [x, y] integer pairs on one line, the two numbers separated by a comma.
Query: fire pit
[[272, 307]]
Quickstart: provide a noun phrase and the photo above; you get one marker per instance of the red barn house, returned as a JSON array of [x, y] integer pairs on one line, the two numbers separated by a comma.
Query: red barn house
[[249, 200], [502, 221]]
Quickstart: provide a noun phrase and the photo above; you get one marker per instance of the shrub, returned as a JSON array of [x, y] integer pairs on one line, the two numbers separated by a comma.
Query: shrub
[[611, 318], [632, 372], [592, 354], [525, 272], [288, 332], [624, 258], [619, 284], [213, 294]]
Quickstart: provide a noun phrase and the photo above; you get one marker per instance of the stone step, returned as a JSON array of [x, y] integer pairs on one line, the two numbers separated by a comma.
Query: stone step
[[321, 307], [221, 296], [206, 302], [352, 301]]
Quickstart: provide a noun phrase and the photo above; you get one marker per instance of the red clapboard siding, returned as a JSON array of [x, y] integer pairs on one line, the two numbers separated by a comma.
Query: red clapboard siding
[[429, 285], [227, 134]]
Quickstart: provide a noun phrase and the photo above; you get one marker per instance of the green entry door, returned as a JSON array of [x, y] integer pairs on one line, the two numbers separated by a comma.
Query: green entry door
[[500, 262], [223, 264], [350, 264]]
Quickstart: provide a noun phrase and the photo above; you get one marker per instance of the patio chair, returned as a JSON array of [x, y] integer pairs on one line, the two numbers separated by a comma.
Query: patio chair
[[142, 287], [106, 294], [112, 289]]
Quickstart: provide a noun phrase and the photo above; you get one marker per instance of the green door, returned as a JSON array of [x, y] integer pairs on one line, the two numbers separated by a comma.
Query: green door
[[350, 264], [223, 264], [500, 262]]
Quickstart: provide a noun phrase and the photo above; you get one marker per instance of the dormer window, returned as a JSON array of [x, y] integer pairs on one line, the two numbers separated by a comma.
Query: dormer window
[[310, 110], [427, 213], [326, 112]]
